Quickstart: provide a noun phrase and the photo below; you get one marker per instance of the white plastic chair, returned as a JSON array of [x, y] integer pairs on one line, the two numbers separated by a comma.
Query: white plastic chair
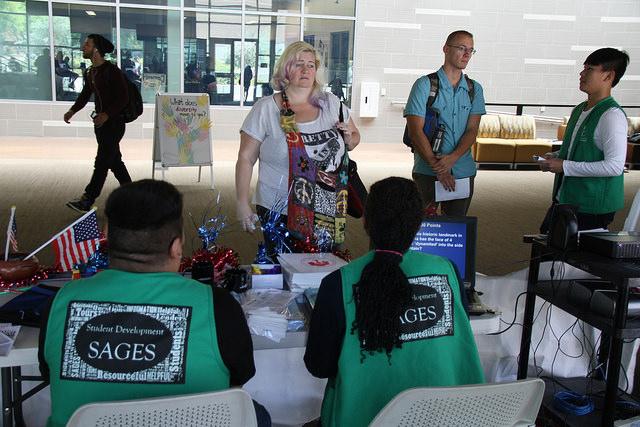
[[632, 223], [488, 405], [229, 408]]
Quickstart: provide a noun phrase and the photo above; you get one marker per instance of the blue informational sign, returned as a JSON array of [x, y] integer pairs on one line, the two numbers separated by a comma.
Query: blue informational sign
[[446, 239]]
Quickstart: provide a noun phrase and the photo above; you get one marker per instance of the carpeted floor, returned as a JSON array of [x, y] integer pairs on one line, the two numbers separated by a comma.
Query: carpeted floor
[[39, 175]]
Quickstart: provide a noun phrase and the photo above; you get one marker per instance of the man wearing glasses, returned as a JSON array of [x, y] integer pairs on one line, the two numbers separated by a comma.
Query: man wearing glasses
[[457, 108]]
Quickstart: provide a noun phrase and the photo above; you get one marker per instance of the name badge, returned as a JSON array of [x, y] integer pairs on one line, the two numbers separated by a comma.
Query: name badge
[[430, 313], [114, 342]]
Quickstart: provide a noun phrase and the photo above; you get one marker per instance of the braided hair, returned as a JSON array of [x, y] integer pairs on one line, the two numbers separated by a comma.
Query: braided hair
[[392, 218]]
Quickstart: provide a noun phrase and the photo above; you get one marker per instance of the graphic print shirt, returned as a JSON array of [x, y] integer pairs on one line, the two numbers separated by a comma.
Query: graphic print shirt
[[324, 144]]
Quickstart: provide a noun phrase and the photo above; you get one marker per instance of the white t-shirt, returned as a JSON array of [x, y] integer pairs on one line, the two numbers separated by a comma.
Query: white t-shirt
[[321, 138], [610, 136]]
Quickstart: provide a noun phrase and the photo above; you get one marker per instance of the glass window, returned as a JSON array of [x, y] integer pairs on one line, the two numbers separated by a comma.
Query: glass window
[[212, 54], [331, 7], [292, 6], [333, 39], [71, 25], [25, 60], [218, 4], [232, 64], [265, 39], [149, 44], [175, 3]]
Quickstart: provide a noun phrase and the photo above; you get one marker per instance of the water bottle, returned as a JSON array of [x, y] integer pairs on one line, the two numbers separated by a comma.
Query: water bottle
[[437, 140]]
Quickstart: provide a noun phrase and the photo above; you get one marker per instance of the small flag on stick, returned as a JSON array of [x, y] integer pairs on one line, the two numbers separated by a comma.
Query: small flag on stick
[[76, 244], [12, 230]]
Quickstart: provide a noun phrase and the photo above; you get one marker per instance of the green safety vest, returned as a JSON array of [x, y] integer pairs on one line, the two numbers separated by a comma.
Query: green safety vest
[[593, 194], [121, 335], [443, 354]]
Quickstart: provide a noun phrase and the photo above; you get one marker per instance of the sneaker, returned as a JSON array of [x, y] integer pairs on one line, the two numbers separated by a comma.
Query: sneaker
[[83, 204]]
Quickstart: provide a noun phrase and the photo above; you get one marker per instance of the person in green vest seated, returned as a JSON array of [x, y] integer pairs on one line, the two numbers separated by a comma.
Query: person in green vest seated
[[590, 164], [390, 320], [139, 329]]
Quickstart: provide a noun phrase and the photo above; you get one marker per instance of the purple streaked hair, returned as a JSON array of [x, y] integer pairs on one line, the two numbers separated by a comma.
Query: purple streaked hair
[[286, 62]]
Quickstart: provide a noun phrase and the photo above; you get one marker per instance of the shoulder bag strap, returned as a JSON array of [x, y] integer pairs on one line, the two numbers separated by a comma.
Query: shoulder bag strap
[[433, 90], [472, 88]]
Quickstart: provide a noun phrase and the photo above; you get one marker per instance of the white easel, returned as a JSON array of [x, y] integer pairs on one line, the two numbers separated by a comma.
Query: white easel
[[181, 133]]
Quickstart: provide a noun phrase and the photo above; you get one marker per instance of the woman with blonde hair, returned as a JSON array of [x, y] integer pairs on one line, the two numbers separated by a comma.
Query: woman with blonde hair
[[302, 147]]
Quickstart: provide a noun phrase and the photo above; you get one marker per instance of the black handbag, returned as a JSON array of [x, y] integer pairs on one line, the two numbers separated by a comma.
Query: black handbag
[[357, 192]]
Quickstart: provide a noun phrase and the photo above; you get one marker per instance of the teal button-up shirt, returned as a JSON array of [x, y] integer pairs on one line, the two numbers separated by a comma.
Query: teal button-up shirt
[[454, 107]]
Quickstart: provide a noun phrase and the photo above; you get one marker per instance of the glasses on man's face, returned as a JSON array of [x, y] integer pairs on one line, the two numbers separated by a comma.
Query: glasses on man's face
[[464, 49]]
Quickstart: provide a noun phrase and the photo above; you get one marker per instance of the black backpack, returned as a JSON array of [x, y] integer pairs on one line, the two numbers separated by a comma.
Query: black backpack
[[433, 94], [133, 109]]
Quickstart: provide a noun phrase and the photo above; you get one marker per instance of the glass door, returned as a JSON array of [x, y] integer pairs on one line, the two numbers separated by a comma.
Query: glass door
[[224, 70], [249, 73]]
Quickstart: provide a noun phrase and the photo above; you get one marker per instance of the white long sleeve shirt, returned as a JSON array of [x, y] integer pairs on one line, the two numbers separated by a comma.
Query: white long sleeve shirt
[[610, 136]]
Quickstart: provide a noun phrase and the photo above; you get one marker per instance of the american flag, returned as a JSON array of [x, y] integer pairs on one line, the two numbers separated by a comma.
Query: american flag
[[76, 244], [13, 231]]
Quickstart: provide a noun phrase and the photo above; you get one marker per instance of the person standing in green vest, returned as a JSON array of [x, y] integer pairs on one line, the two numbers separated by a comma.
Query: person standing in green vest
[[590, 163], [390, 320], [139, 329]]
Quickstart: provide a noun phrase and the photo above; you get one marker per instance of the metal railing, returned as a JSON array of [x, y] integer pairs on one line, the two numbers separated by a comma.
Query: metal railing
[[520, 109]]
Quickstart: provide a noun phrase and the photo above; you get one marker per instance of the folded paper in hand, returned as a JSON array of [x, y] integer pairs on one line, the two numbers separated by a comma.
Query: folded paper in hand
[[462, 190]]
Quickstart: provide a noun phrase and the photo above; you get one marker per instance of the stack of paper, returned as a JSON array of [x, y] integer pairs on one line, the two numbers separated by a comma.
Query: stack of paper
[[307, 270], [267, 323], [266, 312], [8, 334]]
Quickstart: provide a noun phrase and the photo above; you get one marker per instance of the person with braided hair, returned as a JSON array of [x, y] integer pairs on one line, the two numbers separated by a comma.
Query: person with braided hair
[[390, 320]]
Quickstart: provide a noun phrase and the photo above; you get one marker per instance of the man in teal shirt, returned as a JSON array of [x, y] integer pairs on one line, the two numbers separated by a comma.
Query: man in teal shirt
[[461, 119]]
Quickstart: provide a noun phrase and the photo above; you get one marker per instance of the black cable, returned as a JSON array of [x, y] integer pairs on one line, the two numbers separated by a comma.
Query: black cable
[[515, 314], [626, 378], [507, 323], [596, 353], [559, 339], [582, 348], [535, 350]]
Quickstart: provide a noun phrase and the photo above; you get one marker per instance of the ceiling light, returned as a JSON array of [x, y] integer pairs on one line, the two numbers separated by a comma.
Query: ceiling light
[[90, 12]]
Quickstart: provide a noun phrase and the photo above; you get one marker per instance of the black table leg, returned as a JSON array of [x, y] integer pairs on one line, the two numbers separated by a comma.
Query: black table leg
[[529, 307], [615, 354], [16, 375], [7, 409]]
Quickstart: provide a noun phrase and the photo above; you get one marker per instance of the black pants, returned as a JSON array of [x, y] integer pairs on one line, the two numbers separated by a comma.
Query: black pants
[[108, 157]]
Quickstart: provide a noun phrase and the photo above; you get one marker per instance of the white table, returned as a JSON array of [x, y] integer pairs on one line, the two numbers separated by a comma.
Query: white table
[[272, 359]]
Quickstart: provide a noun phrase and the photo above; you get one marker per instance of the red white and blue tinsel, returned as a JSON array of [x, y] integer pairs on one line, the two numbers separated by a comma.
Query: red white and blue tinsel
[[274, 230], [209, 230]]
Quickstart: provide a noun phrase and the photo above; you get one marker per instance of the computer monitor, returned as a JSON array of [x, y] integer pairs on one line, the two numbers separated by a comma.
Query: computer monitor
[[453, 238]]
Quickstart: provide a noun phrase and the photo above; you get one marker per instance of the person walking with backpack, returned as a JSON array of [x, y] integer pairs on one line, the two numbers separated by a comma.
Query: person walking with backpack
[[106, 81], [451, 102]]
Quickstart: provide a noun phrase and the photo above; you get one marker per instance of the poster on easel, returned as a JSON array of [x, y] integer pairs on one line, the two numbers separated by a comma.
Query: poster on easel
[[181, 135]]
